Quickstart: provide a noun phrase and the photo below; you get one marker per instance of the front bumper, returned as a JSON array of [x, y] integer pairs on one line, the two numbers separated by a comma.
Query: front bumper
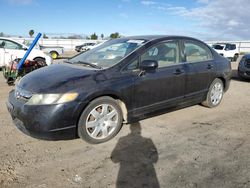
[[50, 122], [244, 72]]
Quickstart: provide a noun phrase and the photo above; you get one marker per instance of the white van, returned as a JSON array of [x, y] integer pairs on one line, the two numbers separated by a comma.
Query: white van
[[10, 50]]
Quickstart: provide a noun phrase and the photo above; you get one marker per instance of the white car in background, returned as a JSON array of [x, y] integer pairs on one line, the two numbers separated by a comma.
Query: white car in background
[[10, 50], [227, 50], [87, 46]]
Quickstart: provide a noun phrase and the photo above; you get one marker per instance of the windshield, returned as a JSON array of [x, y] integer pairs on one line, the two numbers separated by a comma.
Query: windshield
[[218, 46], [109, 53]]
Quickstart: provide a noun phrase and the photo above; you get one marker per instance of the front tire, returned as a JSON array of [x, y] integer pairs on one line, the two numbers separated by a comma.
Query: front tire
[[215, 94], [100, 121]]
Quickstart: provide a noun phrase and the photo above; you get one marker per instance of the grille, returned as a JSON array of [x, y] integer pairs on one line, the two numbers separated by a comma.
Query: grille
[[247, 63], [248, 73]]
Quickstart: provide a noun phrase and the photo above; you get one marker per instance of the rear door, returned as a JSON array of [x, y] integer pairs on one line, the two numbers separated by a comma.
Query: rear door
[[163, 87], [199, 67]]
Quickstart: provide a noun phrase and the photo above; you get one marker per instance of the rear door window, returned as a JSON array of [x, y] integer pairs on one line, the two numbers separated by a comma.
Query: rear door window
[[196, 51]]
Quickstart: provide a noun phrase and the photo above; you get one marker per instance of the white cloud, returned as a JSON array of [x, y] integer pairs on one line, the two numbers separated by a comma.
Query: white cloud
[[219, 17], [233, 23], [203, 1], [148, 2]]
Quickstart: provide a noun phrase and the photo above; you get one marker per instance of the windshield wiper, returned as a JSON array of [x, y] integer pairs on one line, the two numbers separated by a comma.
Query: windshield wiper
[[88, 64]]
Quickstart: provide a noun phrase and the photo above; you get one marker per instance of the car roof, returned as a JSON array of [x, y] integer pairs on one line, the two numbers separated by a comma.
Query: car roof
[[6, 38], [158, 37], [13, 40], [224, 43]]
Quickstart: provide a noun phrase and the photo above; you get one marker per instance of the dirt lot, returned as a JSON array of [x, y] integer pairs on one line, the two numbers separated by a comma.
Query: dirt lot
[[192, 147]]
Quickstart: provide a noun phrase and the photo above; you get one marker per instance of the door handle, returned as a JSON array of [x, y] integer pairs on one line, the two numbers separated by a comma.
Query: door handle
[[178, 71], [209, 66]]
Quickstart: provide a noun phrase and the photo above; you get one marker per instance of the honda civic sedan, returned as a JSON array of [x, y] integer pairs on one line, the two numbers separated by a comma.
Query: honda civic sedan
[[121, 81]]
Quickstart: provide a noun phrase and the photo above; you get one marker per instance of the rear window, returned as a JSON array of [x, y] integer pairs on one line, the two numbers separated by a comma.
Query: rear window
[[218, 47], [233, 47]]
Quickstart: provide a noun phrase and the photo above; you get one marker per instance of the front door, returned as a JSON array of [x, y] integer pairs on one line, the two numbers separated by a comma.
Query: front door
[[12, 50], [163, 87]]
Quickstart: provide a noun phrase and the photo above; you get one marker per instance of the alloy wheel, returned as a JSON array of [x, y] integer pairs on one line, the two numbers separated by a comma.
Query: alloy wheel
[[102, 121], [216, 93]]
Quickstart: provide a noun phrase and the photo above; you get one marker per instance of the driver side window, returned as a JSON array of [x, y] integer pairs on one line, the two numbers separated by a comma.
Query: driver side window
[[12, 45]]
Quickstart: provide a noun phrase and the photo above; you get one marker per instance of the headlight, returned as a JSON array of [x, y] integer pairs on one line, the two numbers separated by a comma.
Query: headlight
[[45, 99]]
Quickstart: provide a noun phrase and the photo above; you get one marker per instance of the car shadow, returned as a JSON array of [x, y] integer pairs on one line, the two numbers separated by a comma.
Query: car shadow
[[137, 156]]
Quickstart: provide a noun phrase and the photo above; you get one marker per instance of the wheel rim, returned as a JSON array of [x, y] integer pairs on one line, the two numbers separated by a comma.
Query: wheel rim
[[216, 93], [102, 121], [54, 55]]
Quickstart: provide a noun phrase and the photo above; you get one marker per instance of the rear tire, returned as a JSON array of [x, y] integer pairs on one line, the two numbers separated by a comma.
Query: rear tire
[[215, 94], [236, 57], [100, 121]]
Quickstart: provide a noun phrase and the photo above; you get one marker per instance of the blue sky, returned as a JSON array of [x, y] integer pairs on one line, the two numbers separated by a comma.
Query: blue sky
[[204, 19]]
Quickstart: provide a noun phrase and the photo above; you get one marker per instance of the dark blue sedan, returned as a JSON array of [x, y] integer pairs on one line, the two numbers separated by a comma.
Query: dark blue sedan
[[121, 81]]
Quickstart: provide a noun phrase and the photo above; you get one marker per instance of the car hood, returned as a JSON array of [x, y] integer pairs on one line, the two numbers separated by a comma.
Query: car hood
[[57, 78], [37, 53]]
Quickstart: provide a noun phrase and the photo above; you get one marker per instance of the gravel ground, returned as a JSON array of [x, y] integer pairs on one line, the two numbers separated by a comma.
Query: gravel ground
[[191, 147]]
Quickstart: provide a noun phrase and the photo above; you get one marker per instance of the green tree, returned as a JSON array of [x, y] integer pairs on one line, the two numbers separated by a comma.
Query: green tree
[[1, 34], [115, 35], [102, 36], [93, 36], [31, 32], [45, 36], [75, 36]]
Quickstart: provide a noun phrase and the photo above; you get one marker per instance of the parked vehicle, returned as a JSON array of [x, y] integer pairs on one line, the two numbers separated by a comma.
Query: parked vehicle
[[84, 47], [54, 51], [12, 73], [227, 50], [10, 50], [121, 81], [244, 67]]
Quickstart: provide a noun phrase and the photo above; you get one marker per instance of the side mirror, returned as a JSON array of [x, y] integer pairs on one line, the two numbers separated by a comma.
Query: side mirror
[[24, 48], [148, 65]]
